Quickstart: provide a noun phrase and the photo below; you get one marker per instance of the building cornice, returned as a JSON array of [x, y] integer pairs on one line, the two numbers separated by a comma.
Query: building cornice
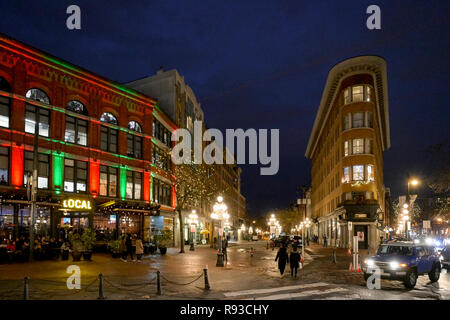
[[372, 65]]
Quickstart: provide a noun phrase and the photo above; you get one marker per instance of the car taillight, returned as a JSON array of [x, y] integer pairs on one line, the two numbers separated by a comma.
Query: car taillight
[[403, 265]]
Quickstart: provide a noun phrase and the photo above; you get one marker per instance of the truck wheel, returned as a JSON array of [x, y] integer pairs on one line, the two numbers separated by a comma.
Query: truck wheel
[[435, 273], [410, 279]]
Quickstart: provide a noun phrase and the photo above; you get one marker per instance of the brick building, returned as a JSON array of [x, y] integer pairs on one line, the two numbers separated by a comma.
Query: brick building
[[98, 141], [349, 136]]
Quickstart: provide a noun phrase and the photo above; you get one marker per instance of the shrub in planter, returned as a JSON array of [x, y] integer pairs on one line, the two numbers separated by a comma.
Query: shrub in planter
[[164, 240], [77, 246], [88, 239], [114, 247]]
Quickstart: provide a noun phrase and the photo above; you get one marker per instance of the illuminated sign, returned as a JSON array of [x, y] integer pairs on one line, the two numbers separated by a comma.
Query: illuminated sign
[[77, 204]]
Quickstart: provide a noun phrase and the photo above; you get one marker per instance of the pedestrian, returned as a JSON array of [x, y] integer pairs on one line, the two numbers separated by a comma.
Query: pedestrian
[[129, 247], [294, 260], [251, 252], [139, 249], [224, 249], [123, 249], [325, 241], [282, 258]]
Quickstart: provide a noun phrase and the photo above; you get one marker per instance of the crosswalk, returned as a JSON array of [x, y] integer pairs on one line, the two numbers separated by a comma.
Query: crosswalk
[[307, 291]]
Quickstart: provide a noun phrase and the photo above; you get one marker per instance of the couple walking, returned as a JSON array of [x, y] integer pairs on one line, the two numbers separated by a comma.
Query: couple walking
[[283, 258]]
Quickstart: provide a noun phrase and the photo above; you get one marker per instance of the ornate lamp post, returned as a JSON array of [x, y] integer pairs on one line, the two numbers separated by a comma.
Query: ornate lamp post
[[304, 225], [192, 220], [220, 213]]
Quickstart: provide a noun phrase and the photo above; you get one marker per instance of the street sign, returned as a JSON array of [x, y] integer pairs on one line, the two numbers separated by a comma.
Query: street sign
[[360, 235], [426, 224], [350, 226]]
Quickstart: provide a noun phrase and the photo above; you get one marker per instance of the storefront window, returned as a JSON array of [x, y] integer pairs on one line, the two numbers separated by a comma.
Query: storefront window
[[6, 220], [130, 224], [4, 165]]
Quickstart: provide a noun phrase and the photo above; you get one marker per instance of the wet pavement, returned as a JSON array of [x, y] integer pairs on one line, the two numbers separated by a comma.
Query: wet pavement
[[243, 277]]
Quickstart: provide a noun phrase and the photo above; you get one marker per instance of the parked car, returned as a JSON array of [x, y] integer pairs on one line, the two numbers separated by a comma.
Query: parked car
[[404, 261], [445, 257]]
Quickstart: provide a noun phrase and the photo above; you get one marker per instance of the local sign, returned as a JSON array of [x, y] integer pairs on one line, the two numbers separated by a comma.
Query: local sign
[[77, 204]]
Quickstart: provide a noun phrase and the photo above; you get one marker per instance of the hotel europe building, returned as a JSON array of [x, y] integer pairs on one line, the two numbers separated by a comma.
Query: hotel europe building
[[179, 102], [97, 144], [349, 136]]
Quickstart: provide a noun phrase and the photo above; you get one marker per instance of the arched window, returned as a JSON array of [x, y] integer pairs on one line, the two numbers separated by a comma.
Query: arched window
[[77, 106], [135, 126], [108, 135], [134, 142], [38, 95], [4, 85], [31, 111], [108, 118], [76, 128], [5, 104]]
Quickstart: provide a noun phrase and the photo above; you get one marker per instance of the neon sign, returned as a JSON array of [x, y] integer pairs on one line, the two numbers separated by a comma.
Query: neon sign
[[77, 204]]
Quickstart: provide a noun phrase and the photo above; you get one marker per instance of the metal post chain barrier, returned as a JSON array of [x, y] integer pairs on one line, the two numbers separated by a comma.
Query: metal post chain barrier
[[122, 286], [205, 272], [158, 283], [100, 287], [26, 295]]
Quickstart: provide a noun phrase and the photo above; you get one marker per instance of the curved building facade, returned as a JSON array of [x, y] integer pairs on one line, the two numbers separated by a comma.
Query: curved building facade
[[349, 136]]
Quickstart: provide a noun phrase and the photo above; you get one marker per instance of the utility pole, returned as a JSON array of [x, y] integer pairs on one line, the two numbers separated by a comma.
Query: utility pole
[[34, 182]]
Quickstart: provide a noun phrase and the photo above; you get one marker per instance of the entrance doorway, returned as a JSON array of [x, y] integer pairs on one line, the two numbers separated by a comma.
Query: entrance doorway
[[363, 236]]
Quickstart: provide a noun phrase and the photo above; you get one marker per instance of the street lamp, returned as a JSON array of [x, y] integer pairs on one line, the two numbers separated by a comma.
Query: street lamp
[[193, 224], [304, 225], [272, 224], [413, 182], [220, 213]]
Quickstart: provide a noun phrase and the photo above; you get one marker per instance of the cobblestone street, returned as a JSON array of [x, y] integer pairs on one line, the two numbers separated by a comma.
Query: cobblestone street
[[243, 277]]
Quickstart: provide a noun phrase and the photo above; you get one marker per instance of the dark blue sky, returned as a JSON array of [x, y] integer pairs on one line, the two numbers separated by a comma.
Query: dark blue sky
[[263, 64]]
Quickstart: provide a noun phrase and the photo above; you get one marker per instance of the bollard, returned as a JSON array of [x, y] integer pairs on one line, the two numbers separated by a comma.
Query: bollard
[[334, 256], [267, 247], [158, 283], [205, 272], [100, 287], [26, 295]]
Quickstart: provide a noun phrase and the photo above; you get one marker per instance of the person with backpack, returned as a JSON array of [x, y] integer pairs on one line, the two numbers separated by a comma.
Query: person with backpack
[[294, 260], [282, 258]]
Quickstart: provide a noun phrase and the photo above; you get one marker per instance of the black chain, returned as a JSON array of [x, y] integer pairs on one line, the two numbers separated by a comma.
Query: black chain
[[182, 284]]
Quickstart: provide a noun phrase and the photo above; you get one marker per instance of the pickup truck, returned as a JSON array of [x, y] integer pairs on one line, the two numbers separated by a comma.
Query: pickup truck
[[404, 261]]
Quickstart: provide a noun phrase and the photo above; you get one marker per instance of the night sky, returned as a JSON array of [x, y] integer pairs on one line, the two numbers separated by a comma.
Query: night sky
[[263, 64]]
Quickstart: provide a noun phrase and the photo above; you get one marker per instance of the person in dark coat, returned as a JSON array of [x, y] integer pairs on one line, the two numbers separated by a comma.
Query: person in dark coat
[[282, 258], [294, 260], [129, 245]]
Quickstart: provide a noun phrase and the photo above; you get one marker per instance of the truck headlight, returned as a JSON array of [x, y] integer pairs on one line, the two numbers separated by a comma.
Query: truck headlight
[[394, 265], [369, 262]]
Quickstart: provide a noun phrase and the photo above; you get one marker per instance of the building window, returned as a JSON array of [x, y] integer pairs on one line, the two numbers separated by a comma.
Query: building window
[[370, 173], [76, 128], [38, 95], [75, 175], [4, 112], [161, 133], [347, 121], [358, 173], [357, 146], [160, 159], [162, 192], [134, 185], [108, 135], [4, 165], [134, 142], [108, 181], [346, 175], [43, 168], [368, 146], [358, 93], [30, 120], [346, 149], [358, 120]]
